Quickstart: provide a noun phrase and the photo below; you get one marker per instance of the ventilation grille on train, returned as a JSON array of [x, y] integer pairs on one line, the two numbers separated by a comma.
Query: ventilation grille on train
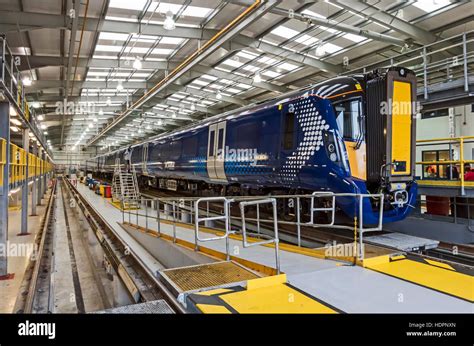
[[376, 127]]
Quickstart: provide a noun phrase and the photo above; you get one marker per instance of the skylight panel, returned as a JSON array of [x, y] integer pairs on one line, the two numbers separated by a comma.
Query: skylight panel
[[325, 28], [200, 82], [313, 14], [233, 90], [330, 48], [104, 48], [285, 32], [162, 51], [247, 55], [216, 86], [232, 63], [271, 74], [307, 40], [287, 66], [171, 40], [244, 86], [225, 81], [251, 68], [206, 76], [267, 60], [136, 5], [431, 5], [355, 38], [113, 36], [190, 11]]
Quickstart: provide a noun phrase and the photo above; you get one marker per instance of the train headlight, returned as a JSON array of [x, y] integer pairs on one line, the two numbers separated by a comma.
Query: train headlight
[[331, 148], [333, 157]]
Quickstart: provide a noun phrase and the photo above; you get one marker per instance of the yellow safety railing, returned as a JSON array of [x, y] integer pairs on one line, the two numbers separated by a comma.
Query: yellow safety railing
[[19, 161], [461, 162]]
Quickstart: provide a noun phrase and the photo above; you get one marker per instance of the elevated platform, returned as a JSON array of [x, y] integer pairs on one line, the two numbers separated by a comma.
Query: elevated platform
[[403, 242], [335, 285]]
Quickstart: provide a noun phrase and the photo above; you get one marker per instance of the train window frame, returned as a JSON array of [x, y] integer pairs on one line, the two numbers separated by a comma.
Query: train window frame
[[289, 135], [355, 131]]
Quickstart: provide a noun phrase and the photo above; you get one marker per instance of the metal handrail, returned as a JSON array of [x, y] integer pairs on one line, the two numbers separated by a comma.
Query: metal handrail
[[224, 217], [179, 206], [423, 68], [275, 238]]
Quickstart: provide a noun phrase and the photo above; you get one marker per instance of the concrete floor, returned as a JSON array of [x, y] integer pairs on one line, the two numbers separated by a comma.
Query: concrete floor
[[17, 263]]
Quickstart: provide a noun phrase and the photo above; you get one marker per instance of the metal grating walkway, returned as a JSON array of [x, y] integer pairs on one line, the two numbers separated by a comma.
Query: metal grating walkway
[[207, 275]]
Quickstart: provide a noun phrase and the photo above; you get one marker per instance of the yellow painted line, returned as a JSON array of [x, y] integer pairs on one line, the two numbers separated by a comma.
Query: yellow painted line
[[213, 309], [440, 279], [216, 291]]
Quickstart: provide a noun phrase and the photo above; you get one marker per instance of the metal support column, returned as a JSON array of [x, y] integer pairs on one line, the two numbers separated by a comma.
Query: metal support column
[[464, 56], [34, 191], [5, 134], [24, 185], [45, 178], [40, 178]]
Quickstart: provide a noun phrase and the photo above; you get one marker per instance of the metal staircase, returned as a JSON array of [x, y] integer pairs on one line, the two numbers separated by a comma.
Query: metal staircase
[[125, 187]]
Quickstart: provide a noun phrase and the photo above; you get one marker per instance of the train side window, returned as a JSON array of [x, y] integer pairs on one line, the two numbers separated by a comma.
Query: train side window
[[289, 134], [348, 117]]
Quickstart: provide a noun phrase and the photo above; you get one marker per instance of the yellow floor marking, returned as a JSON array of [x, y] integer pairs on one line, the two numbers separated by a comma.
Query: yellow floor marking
[[439, 264], [213, 309], [277, 299], [212, 292], [451, 282]]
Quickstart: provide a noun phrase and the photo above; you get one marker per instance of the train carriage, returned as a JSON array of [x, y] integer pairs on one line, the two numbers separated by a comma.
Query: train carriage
[[352, 134]]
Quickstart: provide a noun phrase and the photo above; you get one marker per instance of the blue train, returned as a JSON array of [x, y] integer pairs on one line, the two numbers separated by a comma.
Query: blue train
[[351, 134]]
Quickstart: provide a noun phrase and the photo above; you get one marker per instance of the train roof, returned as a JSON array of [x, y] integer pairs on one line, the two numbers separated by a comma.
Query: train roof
[[326, 90]]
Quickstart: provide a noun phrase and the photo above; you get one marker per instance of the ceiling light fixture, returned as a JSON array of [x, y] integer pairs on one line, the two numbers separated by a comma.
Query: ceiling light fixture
[[320, 51], [26, 81], [193, 107], [101, 112], [119, 86], [43, 126], [40, 117], [36, 105], [218, 95], [257, 78], [169, 23], [108, 102], [137, 64]]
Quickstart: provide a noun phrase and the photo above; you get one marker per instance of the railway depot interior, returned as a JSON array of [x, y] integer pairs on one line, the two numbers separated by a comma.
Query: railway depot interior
[[206, 157]]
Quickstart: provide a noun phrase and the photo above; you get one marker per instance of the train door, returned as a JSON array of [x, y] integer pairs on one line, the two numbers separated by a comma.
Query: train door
[[216, 151], [145, 159]]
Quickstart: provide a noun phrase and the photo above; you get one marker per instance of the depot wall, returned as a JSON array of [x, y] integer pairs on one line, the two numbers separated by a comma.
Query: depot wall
[[440, 127]]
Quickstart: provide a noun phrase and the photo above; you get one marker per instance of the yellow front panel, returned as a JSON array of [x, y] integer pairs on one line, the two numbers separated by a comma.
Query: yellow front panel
[[357, 160], [401, 125]]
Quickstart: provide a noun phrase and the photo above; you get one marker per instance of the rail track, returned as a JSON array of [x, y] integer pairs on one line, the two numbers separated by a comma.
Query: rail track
[[140, 282]]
